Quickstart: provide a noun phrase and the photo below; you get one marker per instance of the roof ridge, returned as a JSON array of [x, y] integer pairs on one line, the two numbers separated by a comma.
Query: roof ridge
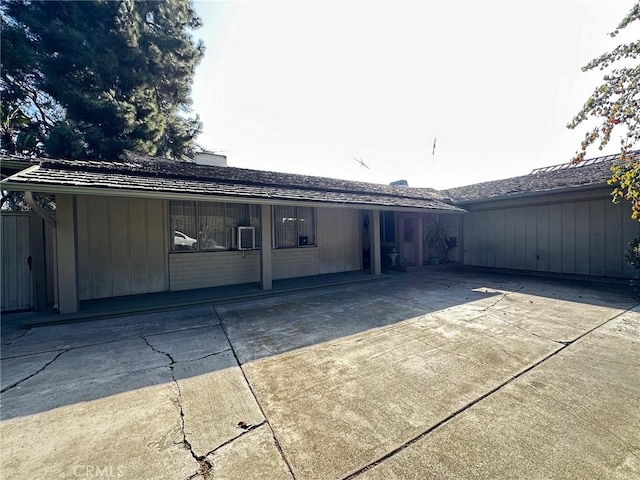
[[150, 167]]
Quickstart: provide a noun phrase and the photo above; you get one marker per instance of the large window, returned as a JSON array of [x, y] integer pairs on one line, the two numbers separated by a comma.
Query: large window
[[294, 226], [210, 226]]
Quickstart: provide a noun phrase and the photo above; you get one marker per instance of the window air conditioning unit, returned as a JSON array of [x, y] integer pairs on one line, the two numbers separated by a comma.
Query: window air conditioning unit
[[246, 238]]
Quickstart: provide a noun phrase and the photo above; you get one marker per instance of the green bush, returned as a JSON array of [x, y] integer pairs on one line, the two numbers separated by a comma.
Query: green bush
[[633, 257]]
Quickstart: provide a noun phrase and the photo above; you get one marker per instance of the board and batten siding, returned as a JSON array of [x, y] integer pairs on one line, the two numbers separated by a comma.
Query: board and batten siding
[[17, 288], [339, 242], [585, 235], [122, 246]]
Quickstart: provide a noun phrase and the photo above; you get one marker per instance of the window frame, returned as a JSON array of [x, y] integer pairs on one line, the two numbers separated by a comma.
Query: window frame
[[276, 237], [252, 220]]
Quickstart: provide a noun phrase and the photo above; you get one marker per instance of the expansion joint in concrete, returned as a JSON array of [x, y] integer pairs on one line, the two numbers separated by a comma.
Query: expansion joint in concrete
[[264, 415], [15, 384], [464, 408]]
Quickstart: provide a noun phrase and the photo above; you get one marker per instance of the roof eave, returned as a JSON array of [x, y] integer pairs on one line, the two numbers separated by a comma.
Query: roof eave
[[590, 186], [163, 195]]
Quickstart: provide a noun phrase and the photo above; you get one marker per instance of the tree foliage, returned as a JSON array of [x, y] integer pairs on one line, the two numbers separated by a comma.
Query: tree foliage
[[616, 105], [97, 77]]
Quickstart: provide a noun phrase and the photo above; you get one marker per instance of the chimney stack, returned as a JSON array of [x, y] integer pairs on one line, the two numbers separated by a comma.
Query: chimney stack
[[210, 159]]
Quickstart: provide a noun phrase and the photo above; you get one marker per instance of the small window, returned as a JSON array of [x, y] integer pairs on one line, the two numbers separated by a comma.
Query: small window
[[294, 227]]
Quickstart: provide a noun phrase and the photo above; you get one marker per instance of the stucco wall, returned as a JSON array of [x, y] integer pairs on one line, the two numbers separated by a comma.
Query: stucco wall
[[122, 246], [578, 233]]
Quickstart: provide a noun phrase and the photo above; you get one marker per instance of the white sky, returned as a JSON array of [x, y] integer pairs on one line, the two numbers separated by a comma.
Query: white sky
[[304, 87]]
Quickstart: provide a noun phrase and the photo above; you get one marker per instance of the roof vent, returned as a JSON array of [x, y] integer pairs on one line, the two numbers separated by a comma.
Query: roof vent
[[399, 183], [210, 159]]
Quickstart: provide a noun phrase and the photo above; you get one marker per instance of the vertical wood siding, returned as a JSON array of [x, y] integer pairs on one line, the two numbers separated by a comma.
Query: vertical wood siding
[[16, 277], [339, 242], [121, 246], [587, 237]]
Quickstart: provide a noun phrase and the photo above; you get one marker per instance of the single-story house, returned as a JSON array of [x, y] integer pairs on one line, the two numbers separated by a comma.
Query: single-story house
[[142, 225]]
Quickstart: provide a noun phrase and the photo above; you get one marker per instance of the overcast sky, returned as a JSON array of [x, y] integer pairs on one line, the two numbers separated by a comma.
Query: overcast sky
[[306, 87]]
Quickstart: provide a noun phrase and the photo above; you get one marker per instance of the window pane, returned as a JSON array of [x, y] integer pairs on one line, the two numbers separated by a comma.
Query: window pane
[[306, 226], [182, 216], [388, 230], [212, 231], [284, 224], [254, 221]]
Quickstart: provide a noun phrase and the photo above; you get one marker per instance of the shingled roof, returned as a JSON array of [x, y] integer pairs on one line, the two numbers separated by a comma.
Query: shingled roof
[[142, 174], [567, 176]]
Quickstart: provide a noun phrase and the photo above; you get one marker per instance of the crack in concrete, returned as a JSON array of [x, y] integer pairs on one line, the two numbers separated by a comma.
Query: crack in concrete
[[127, 337], [505, 295], [502, 297], [13, 339], [245, 430], [203, 357], [204, 466], [244, 375], [15, 384], [464, 408]]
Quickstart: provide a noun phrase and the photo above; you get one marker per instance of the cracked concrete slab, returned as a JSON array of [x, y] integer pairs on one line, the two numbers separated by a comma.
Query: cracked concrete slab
[[16, 370], [135, 434], [575, 416], [358, 397], [253, 455], [191, 344], [37, 396], [358, 379], [215, 399], [60, 337]]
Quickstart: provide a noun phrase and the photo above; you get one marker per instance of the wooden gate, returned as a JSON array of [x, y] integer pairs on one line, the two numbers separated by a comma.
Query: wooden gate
[[17, 285]]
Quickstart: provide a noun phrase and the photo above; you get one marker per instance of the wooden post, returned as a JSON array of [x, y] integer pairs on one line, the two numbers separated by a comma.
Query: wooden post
[[66, 251], [266, 280], [376, 254]]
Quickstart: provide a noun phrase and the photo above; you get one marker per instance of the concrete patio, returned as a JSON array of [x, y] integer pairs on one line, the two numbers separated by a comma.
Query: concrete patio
[[430, 374]]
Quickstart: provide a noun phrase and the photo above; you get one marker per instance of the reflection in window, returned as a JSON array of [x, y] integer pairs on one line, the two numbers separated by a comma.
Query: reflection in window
[[182, 217], [210, 225], [294, 226]]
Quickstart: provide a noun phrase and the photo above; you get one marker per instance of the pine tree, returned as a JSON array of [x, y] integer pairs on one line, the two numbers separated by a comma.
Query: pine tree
[[99, 76]]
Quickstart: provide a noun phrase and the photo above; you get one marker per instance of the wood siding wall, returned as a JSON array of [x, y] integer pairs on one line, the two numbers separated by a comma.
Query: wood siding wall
[[582, 234], [17, 292], [122, 246], [212, 269], [339, 242]]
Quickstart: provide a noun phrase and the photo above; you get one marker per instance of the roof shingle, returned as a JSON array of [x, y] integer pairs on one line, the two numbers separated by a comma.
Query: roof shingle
[[147, 174]]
